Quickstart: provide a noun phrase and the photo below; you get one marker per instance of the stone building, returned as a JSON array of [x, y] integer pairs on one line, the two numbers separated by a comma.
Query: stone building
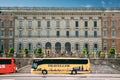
[[6, 31], [62, 29], [58, 29], [111, 30]]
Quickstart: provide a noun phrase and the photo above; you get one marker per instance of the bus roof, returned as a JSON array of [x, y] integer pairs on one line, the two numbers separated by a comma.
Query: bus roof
[[61, 58], [6, 58]]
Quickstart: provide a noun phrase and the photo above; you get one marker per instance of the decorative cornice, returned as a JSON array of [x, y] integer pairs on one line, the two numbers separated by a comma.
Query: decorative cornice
[[60, 8]]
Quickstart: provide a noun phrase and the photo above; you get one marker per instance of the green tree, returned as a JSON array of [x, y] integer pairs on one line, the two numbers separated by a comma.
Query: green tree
[[39, 51], [25, 51], [11, 51], [112, 51], [84, 51], [1, 51]]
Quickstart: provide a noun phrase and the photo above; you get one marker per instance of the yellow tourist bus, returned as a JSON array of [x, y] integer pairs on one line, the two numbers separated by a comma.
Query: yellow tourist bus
[[60, 65]]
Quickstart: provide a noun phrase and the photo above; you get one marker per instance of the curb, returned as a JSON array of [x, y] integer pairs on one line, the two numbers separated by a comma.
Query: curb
[[62, 75]]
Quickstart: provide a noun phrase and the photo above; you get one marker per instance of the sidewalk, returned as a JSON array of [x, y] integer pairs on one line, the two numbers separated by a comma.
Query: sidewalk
[[61, 75]]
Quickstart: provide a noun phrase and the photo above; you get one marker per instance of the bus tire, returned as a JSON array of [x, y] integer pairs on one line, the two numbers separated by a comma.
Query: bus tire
[[44, 72], [73, 72]]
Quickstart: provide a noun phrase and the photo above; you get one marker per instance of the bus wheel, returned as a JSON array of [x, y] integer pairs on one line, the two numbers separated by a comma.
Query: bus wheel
[[74, 72], [44, 72]]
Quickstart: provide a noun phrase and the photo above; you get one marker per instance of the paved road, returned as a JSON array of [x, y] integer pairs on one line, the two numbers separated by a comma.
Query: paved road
[[55, 78], [60, 77]]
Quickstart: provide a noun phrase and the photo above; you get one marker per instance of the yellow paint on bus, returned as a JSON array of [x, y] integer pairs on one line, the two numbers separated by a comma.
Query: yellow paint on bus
[[60, 65]]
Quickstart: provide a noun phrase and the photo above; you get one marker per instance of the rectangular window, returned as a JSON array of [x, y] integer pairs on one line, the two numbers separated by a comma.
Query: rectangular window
[[2, 33], [48, 33], [39, 23], [2, 45], [86, 24], [113, 24], [76, 33], [38, 33], [67, 33], [20, 24], [29, 24], [113, 33], [20, 33], [67, 23], [104, 33], [104, 23], [58, 33], [48, 23], [95, 23], [11, 23], [10, 45], [95, 33], [3, 24], [86, 33], [29, 33], [5, 61], [76, 46], [10, 33], [76, 24], [57, 23]]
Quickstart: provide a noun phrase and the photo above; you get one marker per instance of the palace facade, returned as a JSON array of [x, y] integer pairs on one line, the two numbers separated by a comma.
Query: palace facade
[[61, 29]]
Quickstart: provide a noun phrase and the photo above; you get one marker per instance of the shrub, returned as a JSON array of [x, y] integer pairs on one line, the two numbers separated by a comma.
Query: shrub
[[112, 51], [39, 52], [11, 51], [1, 51], [25, 51], [84, 51]]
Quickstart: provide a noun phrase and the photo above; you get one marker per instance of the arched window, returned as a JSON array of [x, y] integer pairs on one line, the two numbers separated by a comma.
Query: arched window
[[58, 46], [48, 45], [68, 47]]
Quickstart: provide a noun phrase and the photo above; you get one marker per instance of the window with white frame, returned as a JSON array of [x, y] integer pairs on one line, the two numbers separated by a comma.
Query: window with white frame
[[11, 23], [112, 23], [104, 33], [2, 33], [95, 23], [57, 23], [77, 33], [20, 33], [95, 33], [20, 24], [29, 24], [76, 24], [2, 23], [29, 33], [67, 23], [113, 33], [39, 23], [48, 23], [10, 33], [104, 23]]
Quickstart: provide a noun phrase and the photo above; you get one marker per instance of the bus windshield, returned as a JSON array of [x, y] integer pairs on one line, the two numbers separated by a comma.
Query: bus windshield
[[5, 61]]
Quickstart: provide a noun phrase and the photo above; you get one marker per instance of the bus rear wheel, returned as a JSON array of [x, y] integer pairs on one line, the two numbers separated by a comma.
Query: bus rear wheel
[[73, 72], [44, 72]]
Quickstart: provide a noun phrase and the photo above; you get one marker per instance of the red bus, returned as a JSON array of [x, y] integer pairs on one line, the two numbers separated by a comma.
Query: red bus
[[7, 65]]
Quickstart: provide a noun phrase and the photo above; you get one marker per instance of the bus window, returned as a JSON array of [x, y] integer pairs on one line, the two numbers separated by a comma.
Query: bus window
[[3, 61]]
